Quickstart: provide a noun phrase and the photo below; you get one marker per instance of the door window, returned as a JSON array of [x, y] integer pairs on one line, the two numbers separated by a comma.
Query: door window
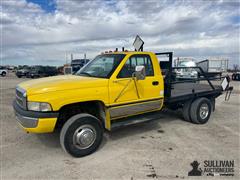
[[137, 60]]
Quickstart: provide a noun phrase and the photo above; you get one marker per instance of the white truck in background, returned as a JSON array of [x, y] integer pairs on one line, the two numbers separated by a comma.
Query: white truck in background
[[185, 72], [3, 71]]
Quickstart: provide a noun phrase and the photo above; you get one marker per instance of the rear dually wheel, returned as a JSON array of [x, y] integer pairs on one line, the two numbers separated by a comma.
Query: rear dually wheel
[[200, 110]]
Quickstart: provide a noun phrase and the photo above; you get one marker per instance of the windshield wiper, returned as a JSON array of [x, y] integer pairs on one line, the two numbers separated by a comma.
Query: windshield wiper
[[85, 73]]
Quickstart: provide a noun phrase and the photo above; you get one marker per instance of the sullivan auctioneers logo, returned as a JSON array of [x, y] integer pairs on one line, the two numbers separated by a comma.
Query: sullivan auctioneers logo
[[212, 168]]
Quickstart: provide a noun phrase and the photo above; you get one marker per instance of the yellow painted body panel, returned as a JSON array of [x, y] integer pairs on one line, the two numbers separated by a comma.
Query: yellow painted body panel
[[145, 88], [68, 89], [45, 125], [108, 119]]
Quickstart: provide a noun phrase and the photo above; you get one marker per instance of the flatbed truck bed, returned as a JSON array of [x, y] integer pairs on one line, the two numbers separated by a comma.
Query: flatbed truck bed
[[179, 91]]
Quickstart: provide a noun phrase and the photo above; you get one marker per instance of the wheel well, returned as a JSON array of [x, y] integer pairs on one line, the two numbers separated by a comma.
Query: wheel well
[[95, 108]]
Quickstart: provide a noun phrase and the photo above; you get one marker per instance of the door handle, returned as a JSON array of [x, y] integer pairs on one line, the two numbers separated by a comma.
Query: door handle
[[155, 83]]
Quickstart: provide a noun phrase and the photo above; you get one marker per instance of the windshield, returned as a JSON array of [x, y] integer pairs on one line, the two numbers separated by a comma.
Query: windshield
[[102, 66], [187, 64], [35, 69]]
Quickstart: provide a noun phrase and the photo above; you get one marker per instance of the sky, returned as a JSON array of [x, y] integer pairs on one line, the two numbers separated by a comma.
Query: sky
[[47, 31]]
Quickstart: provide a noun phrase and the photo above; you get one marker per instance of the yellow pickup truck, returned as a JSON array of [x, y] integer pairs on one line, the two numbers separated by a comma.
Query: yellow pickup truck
[[113, 90]]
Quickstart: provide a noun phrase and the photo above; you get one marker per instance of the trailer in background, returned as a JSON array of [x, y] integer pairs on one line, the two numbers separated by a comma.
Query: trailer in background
[[214, 67], [67, 69]]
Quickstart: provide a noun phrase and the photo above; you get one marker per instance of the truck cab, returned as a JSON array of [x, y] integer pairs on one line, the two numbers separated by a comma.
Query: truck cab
[[113, 90]]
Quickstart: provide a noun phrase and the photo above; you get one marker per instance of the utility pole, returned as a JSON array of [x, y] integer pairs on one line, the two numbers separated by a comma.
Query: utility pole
[[66, 57]]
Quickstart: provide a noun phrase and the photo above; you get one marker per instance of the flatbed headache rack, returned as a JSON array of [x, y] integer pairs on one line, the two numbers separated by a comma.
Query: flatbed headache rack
[[181, 90]]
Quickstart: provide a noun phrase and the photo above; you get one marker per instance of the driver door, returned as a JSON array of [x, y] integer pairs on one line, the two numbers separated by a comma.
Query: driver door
[[129, 96]]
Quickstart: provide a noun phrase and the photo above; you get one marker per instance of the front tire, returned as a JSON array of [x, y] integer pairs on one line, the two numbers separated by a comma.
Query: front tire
[[81, 135], [200, 110]]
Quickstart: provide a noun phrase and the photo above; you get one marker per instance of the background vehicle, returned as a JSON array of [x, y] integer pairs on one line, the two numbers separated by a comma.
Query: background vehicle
[[22, 72], [11, 68], [236, 76], [185, 73], [42, 71], [3, 71]]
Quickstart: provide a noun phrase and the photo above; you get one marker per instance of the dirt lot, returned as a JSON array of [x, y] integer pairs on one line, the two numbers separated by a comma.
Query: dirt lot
[[162, 149]]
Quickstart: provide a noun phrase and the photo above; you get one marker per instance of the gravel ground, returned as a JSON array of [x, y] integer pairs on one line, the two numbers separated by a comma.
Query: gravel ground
[[162, 149]]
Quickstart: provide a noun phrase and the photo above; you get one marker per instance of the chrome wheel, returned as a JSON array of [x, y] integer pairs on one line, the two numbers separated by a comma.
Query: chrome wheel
[[204, 111], [84, 136]]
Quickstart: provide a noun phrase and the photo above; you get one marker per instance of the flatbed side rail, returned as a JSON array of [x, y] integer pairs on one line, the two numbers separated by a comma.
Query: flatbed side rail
[[170, 78], [198, 79]]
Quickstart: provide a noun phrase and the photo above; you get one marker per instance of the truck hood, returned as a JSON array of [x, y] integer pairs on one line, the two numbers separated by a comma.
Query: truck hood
[[60, 83]]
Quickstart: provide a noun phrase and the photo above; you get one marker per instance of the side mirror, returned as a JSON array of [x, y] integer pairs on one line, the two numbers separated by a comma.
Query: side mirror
[[140, 72]]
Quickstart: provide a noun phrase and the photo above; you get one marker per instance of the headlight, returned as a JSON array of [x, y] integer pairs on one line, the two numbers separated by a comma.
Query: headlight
[[39, 106]]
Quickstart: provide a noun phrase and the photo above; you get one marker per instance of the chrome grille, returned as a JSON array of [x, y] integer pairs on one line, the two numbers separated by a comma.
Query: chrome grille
[[18, 93], [20, 99]]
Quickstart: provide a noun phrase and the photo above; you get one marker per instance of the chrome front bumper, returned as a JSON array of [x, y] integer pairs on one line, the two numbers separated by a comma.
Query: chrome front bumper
[[27, 122], [30, 119]]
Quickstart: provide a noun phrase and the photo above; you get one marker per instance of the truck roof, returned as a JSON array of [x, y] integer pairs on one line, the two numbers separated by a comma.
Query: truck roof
[[127, 52]]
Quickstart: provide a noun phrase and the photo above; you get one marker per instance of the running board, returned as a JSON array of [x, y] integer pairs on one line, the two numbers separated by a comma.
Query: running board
[[153, 116]]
